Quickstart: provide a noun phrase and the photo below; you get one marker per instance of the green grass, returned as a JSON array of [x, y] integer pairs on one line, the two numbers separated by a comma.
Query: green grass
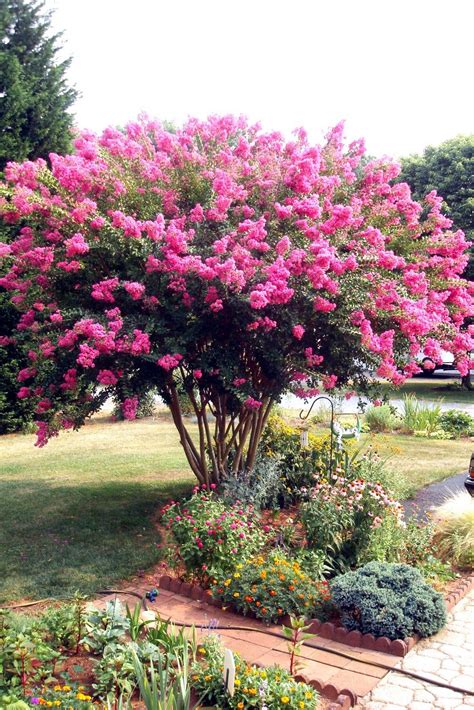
[[78, 514], [420, 461], [432, 389]]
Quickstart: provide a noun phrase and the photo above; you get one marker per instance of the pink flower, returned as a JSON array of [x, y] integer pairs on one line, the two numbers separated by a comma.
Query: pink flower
[[77, 245], [134, 289], [298, 331], [258, 299], [107, 377], [169, 362], [197, 374], [129, 407], [252, 403]]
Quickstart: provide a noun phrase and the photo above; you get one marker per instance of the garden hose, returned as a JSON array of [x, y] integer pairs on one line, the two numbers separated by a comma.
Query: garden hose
[[341, 654]]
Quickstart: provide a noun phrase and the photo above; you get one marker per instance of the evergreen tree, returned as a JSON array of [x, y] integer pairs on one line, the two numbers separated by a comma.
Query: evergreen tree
[[34, 121], [34, 94]]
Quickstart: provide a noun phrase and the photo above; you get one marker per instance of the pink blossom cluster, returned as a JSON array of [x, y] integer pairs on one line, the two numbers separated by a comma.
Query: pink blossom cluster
[[148, 249]]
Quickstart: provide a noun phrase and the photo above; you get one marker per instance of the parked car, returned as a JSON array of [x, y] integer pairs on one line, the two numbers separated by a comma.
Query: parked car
[[430, 366], [469, 482]]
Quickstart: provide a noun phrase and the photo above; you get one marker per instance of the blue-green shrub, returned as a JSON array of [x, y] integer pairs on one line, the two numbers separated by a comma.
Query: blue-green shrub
[[388, 600]]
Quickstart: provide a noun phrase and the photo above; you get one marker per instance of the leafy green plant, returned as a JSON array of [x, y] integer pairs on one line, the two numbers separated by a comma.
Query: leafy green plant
[[298, 466], [272, 688], [105, 627], [165, 685], [65, 624], [388, 600], [259, 487], [381, 419], [206, 535], [457, 423], [271, 587], [454, 530], [26, 658], [341, 514], [297, 634]]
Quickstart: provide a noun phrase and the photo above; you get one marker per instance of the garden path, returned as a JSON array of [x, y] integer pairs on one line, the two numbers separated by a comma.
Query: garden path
[[448, 656], [435, 494]]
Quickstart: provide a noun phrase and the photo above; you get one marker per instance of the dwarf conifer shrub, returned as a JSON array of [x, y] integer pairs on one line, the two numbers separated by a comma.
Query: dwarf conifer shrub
[[388, 600]]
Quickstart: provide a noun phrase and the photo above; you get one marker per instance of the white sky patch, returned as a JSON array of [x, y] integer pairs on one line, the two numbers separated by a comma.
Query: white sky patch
[[398, 71]]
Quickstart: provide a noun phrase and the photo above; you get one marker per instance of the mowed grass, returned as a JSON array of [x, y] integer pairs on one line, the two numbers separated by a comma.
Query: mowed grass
[[440, 386], [417, 462], [78, 514]]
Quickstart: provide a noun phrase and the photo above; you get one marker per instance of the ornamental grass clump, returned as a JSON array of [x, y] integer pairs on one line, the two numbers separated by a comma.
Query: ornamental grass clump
[[454, 530], [270, 587], [207, 536], [388, 600], [272, 688]]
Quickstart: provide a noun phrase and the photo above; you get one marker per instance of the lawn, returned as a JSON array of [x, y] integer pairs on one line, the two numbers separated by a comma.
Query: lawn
[[440, 386], [78, 514], [420, 461]]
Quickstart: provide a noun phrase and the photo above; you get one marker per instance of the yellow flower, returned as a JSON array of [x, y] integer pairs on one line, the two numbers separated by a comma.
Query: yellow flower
[[285, 699], [227, 582], [308, 695], [56, 688], [252, 691], [236, 575], [207, 678], [236, 594], [301, 704], [240, 706], [57, 703], [237, 681], [202, 651], [66, 688], [263, 675]]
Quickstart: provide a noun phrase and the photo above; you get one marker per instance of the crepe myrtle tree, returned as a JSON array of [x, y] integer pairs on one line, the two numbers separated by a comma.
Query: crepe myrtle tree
[[227, 265]]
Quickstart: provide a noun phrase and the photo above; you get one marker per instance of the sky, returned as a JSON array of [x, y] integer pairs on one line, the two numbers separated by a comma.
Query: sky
[[399, 72]]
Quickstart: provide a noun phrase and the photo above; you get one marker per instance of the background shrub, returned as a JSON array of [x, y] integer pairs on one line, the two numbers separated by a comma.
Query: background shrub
[[381, 419], [457, 423], [388, 600], [420, 417]]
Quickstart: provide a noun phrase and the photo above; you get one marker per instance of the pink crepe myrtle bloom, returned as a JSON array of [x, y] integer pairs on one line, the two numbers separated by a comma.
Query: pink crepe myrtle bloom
[[107, 377], [129, 407], [169, 362], [298, 331], [251, 403]]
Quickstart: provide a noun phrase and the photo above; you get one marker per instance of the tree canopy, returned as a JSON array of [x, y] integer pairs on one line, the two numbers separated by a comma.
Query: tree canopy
[[34, 94], [226, 264], [448, 169]]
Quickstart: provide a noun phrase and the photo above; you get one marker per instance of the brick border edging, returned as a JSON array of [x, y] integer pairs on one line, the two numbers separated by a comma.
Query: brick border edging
[[397, 647], [345, 698]]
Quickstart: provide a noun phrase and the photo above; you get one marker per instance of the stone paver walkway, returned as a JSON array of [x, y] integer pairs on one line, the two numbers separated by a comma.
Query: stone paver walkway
[[448, 656]]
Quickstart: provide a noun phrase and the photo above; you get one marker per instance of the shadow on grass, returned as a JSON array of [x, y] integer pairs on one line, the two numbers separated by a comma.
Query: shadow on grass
[[57, 539]]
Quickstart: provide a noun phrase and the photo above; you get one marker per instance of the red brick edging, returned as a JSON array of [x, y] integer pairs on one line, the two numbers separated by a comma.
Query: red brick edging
[[328, 630], [397, 647], [344, 698]]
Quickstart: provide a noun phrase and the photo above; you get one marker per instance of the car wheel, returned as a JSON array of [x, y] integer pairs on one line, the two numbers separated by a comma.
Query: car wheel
[[428, 371]]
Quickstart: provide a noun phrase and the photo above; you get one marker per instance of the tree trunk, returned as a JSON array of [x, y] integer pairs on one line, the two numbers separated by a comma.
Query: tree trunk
[[467, 382], [231, 447]]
